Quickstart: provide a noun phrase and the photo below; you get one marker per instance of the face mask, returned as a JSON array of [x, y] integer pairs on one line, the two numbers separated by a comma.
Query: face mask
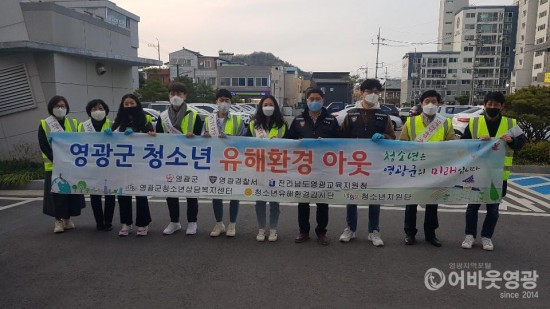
[[59, 112], [268, 110], [371, 98], [429, 109], [492, 112], [131, 111], [224, 107], [176, 101], [315, 106], [98, 115]]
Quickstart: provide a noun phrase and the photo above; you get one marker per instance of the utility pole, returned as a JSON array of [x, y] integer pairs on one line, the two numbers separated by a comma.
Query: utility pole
[[478, 42], [157, 46], [377, 53], [385, 83]]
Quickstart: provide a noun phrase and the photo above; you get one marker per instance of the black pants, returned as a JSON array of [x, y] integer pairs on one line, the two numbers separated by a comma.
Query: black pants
[[322, 218], [143, 216], [431, 223], [174, 209], [103, 217]]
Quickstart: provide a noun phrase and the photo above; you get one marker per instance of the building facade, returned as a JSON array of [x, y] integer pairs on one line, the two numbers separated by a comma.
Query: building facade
[[447, 12], [82, 50], [336, 86]]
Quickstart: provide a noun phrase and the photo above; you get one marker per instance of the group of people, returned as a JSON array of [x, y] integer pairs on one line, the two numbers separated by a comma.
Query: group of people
[[365, 121]]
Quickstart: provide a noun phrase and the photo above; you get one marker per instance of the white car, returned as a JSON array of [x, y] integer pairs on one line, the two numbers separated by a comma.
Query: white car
[[154, 114], [205, 109], [341, 115], [461, 120]]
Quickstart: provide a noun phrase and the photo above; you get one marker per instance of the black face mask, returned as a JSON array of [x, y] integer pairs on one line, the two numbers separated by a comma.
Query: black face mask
[[492, 112], [131, 111]]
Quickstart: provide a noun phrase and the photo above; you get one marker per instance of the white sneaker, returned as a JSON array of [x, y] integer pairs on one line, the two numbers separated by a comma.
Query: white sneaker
[[69, 225], [191, 228], [125, 230], [468, 242], [487, 244], [171, 228], [219, 228], [231, 230], [272, 235], [374, 237], [142, 230], [59, 226], [347, 235], [261, 235]]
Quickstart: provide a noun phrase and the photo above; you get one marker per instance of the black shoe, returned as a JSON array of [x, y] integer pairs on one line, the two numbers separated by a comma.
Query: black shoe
[[100, 227], [107, 227], [410, 240], [434, 241]]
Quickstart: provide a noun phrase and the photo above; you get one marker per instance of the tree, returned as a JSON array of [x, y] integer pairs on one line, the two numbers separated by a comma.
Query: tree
[[152, 90], [463, 99], [531, 107], [197, 93]]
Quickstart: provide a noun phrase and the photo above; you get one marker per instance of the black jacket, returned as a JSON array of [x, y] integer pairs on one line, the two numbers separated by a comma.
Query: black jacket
[[302, 126]]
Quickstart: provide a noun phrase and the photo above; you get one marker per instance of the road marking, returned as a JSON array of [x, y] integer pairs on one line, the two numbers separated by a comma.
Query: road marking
[[529, 197], [20, 203]]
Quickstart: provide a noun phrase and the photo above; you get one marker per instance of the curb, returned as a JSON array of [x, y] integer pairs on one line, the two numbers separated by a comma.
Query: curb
[[531, 169]]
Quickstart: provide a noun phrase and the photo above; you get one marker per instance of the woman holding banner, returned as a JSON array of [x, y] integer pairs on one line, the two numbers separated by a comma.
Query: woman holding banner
[[60, 206], [98, 110], [268, 123], [129, 119]]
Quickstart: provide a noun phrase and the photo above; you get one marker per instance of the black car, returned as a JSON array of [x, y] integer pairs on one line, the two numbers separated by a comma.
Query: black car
[[415, 111], [389, 109]]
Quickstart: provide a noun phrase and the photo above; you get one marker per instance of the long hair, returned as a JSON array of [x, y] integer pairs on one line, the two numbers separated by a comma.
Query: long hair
[[122, 119], [261, 120]]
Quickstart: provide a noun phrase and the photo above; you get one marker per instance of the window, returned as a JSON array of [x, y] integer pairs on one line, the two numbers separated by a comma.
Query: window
[[448, 22], [451, 71], [470, 15], [523, 26], [449, 12], [469, 26], [542, 14], [465, 82], [238, 82], [543, 1], [250, 82], [453, 60], [467, 71], [538, 54], [261, 82], [207, 64], [117, 19], [469, 38], [538, 66], [540, 41], [487, 17], [541, 27], [468, 48], [487, 28], [225, 81], [451, 82], [467, 59]]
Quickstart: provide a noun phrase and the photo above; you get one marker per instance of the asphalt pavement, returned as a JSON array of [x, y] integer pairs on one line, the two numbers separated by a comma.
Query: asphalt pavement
[[90, 269]]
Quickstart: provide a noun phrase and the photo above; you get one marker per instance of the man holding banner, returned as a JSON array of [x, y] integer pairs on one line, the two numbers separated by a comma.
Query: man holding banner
[[492, 124], [366, 121], [426, 127], [178, 119], [315, 122]]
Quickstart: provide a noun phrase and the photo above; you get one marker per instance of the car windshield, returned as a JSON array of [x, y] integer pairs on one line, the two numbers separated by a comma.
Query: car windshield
[[472, 110]]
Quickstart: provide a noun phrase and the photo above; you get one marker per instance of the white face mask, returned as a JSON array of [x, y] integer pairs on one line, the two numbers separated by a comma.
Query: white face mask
[[371, 98], [224, 107], [98, 115], [268, 110], [429, 109], [59, 112], [176, 101]]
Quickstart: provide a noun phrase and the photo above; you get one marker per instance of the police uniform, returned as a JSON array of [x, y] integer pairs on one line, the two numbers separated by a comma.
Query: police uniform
[[414, 127], [476, 128], [303, 126]]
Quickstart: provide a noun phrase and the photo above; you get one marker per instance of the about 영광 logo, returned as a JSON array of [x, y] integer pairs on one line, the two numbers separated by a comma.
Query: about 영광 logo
[[434, 279]]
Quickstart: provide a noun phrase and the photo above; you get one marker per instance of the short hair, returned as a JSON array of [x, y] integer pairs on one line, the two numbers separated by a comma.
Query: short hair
[[315, 90], [53, 101], [93, 103], [371, 83], [224, 93], [177, 87], [430, 93], [494, 96]]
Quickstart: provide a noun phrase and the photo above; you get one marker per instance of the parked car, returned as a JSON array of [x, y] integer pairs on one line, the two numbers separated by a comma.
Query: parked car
[[450, 110], [404, 112], [205, 109], [336, 107], [341, 115], [159, 106], [460, 120], [389, 109], [154, 114], [247, 107], [415, 110]]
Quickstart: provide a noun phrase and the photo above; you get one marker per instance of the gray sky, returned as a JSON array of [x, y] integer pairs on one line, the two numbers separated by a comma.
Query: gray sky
[[316, 35]]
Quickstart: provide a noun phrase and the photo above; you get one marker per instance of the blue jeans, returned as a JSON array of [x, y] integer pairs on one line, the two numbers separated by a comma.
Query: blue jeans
[[217, 204], [374, 217], [273, 214]]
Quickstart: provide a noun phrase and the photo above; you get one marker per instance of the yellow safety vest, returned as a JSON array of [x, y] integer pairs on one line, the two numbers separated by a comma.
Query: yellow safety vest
[[185, 126], [105, 126], [48, 165], [273, 132], [478, 128], [415, 126], [230, 127]]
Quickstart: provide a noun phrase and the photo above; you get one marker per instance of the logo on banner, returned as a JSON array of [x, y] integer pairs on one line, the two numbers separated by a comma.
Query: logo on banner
[[434, 279], [213, 179], [302, 123], [169, 177], [248, 192], [272, 183]]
